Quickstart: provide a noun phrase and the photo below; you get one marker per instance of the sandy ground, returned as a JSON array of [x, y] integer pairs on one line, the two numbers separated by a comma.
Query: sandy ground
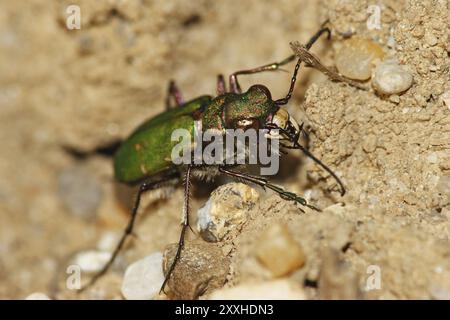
[[84, 88]]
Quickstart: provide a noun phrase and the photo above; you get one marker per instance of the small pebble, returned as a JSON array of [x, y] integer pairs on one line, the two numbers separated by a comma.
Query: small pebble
[[445, 98], [357, 57], [394, 99], [92, 260], [37, 296], [430, 39], [278, 251], [143, 279], [201, 268], [336, 280], [369, 143], [438, 292], [130, 9], [227, 209], [336, 209], [443, 186], [433, 158], [80, 191], [390, 78], [418, 31], [391, 42], [271, 290]]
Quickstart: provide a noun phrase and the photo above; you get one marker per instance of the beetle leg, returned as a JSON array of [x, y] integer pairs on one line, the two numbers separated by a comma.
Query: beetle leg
[[286, 195], [234, 83], [175, 93], [184, 226], [145, 186], [221, 86]]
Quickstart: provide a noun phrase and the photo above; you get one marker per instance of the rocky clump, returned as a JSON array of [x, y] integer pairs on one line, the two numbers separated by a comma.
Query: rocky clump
[[226, 210], [202, 267]]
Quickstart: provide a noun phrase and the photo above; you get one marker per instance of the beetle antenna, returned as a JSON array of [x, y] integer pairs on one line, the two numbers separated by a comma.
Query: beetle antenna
[[285, 100]]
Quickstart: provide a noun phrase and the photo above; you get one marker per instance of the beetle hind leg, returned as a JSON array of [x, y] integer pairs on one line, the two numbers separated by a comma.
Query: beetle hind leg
[[145, 186]]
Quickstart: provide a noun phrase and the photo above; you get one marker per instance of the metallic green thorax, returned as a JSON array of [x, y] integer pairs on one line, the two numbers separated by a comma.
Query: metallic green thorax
[[148, 149], [226, 110]]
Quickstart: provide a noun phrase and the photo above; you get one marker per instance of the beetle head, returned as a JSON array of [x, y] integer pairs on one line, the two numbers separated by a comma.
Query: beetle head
[[248, 110], [283, 127]]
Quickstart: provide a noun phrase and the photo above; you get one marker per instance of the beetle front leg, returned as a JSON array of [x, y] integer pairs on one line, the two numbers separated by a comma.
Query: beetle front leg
[[173, 93], [234, 83], [185, 225], [264, 183]]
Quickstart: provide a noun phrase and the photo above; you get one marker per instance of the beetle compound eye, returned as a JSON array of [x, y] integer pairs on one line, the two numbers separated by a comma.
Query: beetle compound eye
[[245, 123], [261, 91]]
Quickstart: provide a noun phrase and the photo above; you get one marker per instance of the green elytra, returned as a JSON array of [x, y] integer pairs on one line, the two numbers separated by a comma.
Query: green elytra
[[144, 158], [136, 158], [148, 149]]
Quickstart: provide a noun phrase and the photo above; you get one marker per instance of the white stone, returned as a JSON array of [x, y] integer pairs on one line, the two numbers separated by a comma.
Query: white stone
[[108, 241], [432, 158], [439, 293], [225, 210], [92, 260], [271, 290], [390, 78], [143, 279], [37, 296]]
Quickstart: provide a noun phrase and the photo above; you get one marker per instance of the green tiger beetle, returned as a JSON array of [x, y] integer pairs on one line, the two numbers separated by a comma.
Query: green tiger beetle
[[144, 157]]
